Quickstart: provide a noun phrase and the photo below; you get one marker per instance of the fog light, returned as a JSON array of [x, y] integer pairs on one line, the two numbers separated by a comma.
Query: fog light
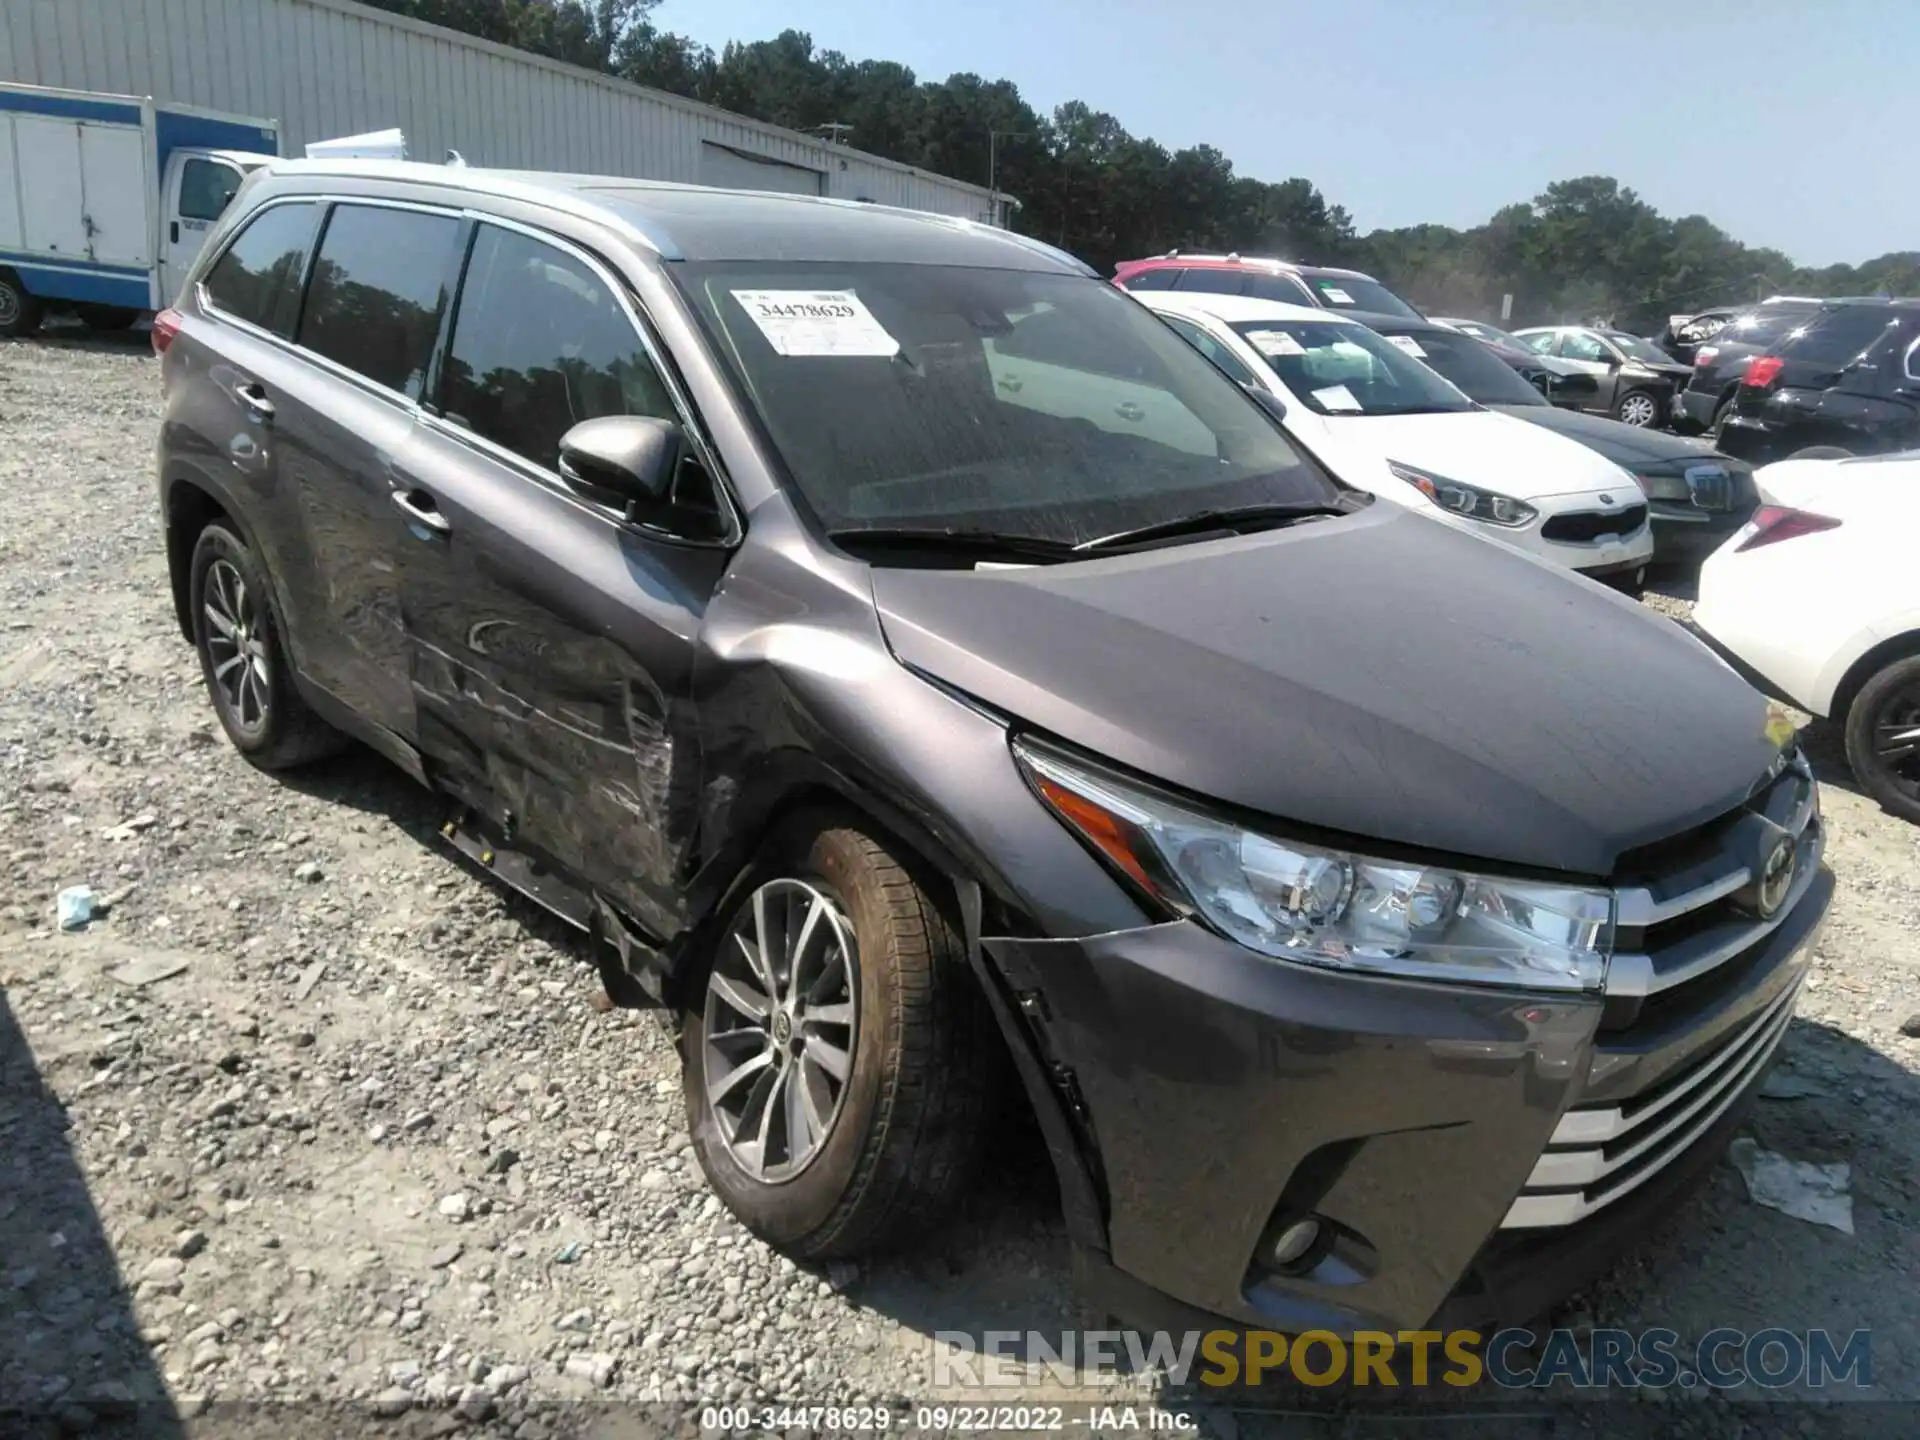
[[1294, 1242]]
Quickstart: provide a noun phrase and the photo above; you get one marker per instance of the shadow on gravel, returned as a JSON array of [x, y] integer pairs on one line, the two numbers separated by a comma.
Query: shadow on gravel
[[71, 1357], [1826, 746], [362, 780]]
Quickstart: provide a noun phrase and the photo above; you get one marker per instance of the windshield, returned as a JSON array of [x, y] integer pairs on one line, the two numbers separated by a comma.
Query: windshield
[[1467, 365], [1348, 292], [1339, 368], [1034, 404], [1639, 349], [1492, 334]]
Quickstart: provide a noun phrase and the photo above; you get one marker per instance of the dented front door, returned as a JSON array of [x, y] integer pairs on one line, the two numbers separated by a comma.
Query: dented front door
[[551, 644], [552, 655]]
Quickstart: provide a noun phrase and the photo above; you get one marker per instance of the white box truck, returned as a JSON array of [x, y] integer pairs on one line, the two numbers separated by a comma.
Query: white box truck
[[105, 200]]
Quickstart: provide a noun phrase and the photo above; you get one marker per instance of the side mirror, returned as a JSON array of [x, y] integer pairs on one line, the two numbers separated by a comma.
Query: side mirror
[[1268, 401], [624, 461]]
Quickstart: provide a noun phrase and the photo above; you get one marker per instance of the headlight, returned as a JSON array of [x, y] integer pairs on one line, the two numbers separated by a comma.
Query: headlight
[[1321, 906], [1467, 500]]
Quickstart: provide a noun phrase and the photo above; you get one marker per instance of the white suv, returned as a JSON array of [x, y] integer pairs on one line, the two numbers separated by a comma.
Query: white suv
[[1388, 423]]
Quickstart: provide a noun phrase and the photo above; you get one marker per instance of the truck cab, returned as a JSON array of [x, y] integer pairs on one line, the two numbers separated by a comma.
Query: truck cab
[[105, 200]]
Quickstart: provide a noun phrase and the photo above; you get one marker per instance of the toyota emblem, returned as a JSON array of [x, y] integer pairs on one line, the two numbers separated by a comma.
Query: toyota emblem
[[1776, 879]]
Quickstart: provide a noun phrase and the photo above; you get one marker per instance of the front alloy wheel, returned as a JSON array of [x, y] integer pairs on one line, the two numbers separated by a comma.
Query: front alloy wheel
[[841, 1064], [780, 1025]]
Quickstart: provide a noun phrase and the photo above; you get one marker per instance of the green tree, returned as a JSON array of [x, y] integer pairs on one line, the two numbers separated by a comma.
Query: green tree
[[1586, 248]]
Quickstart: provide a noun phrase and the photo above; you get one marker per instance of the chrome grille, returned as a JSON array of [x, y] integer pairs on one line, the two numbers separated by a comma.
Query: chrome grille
[[1688, 915], [1703, 912], [1601, 1153]]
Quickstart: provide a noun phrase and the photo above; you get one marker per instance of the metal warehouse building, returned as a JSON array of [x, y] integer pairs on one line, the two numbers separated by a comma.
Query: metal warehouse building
[[327, 68]]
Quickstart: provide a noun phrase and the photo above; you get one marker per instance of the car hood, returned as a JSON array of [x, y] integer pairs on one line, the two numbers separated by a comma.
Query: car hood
[[1668, 369], [1376, 675], [1481, 447], [1627, 446]]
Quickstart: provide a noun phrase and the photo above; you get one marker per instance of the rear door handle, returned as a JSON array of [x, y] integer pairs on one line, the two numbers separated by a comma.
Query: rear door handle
[[253, 395], [420, 510]]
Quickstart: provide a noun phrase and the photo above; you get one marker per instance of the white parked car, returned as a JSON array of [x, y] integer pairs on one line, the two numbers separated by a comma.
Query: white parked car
[[1388, 424], [1819, 599]]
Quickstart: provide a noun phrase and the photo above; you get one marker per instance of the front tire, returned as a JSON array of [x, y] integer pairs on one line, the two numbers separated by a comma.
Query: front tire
[[244, 660], [20, 312], [1639, 408], [1883, 737], [840, 1066]]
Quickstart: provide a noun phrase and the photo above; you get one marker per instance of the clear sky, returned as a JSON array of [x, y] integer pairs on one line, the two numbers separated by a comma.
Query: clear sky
[[1791, 123]]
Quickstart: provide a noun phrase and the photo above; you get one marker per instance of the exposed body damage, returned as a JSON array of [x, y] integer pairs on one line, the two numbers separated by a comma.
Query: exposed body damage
[[1086, 769]]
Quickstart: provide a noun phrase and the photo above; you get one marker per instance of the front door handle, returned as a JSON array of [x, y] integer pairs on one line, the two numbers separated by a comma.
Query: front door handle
[[253, 395], [420, 510], [173, 232]]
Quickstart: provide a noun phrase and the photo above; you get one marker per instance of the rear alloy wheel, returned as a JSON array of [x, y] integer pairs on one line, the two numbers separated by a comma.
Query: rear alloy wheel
[[1638, 408], [840, 1064], [244, 662], [1883, 737]]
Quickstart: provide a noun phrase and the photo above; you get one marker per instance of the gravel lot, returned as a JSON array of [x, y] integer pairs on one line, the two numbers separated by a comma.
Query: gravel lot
[[372, 1142]]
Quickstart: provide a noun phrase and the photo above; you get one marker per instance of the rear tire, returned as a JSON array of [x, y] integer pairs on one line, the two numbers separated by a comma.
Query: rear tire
[[244, 658], [1639, 408], [1887, 707], [20, 312], [882, 1155]]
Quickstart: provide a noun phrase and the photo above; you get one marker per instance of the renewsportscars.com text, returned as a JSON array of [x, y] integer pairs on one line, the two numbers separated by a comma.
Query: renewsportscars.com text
[[1462, 1359]]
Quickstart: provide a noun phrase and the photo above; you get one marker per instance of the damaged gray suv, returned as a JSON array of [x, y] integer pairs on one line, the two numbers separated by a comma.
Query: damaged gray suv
[[942, 690]]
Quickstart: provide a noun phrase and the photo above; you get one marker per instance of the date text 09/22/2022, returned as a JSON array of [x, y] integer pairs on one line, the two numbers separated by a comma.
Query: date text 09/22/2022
[[944, 1419]]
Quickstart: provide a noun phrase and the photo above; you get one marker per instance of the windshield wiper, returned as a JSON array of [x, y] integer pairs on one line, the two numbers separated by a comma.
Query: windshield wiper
[[1230, 519], [953, 537]]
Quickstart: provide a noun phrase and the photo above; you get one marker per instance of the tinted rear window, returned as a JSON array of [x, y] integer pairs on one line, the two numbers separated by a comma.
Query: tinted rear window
[[1159, 279], [1284, 288], [258, 279], [1348, 292], [1839, 335], [1213, 282], [379, 284]]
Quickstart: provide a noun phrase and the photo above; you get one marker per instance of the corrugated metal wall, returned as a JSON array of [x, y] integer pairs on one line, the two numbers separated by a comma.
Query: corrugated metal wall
[[326, 68]]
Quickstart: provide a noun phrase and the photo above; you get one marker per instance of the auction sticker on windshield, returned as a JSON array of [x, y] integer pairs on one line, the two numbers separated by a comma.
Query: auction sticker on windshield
[[1336, 397], [1335, 295], [1408, 344], [817, 322], [1274, 342]]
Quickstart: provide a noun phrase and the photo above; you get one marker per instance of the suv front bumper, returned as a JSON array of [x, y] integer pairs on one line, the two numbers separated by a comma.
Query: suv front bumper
[[1218, 1095]]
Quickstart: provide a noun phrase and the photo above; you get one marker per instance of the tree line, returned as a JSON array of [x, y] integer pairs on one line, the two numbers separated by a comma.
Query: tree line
[[1584, 249]]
